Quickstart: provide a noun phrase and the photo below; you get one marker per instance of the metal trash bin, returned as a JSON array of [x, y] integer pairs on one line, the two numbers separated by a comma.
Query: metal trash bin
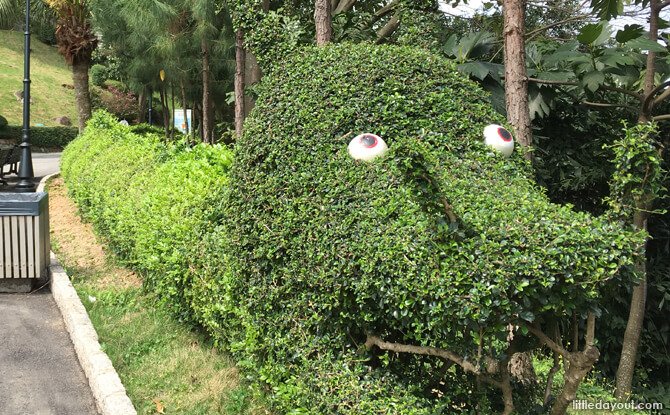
[[24, 229]]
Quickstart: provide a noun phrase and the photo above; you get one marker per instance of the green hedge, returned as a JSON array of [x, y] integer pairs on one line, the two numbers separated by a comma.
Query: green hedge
[[320, 250], [150, 200], [50, 137], [298, 253]]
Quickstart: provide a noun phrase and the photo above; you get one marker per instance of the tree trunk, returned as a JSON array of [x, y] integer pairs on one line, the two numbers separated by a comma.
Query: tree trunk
[[166, 111], [252, 74], [173, 107], [184, 105], [516, 84], [196, 121], [206, 94], [81, 95], [634, 325], [239, 82], [631, 338], [323, 21], [141, 107], [581, 364]]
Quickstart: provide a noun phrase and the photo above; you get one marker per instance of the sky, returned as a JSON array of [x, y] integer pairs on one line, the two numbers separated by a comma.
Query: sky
[[469, 9]]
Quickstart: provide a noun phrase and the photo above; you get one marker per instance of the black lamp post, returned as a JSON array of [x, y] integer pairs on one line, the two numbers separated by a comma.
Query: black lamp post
[[26, 173]]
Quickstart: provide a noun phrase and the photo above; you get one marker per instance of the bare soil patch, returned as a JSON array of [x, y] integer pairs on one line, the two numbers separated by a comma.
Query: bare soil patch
[[79, 249]]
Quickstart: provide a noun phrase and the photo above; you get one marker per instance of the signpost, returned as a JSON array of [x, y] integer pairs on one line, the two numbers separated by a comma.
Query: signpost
[[182, 125]]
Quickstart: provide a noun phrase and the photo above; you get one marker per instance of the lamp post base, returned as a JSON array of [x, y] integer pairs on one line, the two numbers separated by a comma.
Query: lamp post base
[[24, 186]]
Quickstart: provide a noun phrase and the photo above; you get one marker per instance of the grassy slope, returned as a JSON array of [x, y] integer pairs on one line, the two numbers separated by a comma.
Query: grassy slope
[[48, 71]]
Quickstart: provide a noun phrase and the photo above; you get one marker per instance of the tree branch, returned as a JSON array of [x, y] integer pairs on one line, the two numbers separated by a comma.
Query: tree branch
[[389, 7], [530, 35], [597, 104], [661, 117], [662, 97], [601, 87], [546, 340], [602, 104], [590, 330], [649, 99], [342, 6], [388, 28], [373, 340]]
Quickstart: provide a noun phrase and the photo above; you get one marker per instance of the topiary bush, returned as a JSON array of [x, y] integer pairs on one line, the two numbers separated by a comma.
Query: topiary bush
[[405, 283]]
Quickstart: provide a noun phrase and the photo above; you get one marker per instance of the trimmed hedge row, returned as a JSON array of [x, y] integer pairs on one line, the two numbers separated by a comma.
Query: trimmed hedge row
[[50, 137], [150, 200], [297, 254]]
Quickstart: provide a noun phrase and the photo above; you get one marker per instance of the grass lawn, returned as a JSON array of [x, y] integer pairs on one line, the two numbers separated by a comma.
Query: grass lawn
[[48, 72], [165, 366]]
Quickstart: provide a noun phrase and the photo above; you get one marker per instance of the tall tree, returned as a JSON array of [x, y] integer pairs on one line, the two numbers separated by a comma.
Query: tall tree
[[631, 340], [588, 77], [76, 42], [240, 62], [12, 13], [516, 84], [324, 21]]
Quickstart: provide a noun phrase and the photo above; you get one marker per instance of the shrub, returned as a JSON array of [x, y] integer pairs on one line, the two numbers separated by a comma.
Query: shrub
[[3, 122], [46, 32], [320, 272], [49, 137], [440, 243], [150, 200], [121, 104], [98, 74]]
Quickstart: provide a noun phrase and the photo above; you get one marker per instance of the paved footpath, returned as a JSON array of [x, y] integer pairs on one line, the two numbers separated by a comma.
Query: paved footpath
[[50, 359], [39, 370]]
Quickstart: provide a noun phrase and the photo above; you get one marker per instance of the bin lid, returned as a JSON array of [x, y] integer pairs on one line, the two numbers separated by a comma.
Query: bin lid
[[23, 204]]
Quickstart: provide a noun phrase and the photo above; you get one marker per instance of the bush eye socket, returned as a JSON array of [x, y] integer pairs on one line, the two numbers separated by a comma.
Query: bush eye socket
[[504, 134], [367, 147], [368, 140], [499, 138]]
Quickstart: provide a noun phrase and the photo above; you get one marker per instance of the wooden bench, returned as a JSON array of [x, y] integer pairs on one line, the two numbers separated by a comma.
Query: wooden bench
[[9, 155]]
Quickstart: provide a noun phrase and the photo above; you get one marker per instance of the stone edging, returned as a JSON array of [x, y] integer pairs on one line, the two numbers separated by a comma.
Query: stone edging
[[108, 391]]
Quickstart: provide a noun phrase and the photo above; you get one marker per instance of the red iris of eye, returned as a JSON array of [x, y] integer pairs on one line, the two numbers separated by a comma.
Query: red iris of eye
[[369, 141], [504, 134]]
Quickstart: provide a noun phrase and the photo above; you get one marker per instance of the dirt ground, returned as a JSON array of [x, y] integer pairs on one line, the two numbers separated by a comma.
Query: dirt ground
[[77, 246]]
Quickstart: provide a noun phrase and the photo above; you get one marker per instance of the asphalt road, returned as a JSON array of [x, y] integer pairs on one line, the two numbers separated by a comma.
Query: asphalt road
[[44, 164]]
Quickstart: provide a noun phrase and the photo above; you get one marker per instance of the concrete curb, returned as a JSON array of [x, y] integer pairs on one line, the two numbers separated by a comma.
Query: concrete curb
[[108, 391]]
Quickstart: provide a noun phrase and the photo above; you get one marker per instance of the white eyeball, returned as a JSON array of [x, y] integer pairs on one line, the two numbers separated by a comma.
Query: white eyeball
[[367, 147], [499, 139]]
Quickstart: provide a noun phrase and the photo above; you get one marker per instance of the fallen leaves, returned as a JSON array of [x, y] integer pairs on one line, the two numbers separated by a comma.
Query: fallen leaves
[[159, 407]]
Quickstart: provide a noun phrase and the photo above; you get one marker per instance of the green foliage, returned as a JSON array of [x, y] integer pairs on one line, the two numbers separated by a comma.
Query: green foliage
[[3, 122], [48, 137], [319, 250], [122, 104], [150, 200], [46, 32], [98, 74], [637, 179], [299, 252]]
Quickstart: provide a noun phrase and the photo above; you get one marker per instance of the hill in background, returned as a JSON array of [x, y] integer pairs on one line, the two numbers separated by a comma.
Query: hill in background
[[48, 74]]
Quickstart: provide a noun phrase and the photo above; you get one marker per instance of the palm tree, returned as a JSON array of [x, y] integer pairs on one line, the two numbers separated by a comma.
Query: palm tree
[[76, 42], [11, 12]]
